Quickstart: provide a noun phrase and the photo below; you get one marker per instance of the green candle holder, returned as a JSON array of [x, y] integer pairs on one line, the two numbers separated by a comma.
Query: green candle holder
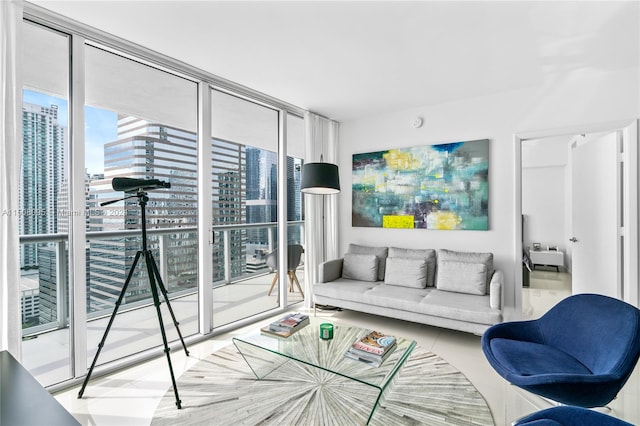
[[326, 331]]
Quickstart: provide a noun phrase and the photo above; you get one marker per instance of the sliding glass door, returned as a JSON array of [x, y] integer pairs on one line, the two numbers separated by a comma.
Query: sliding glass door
[[140, 123], [245, 143], [43, 214], [244, 150]]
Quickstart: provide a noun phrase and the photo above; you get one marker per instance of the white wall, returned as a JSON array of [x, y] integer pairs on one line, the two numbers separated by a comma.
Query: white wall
[[582, 96], [543, 196]]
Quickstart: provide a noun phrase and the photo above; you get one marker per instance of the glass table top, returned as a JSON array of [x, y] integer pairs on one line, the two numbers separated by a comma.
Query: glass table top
[[305, 346]]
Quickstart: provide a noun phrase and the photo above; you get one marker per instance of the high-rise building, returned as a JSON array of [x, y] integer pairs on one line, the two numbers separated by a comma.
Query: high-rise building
[[229, 188], [262, 194], [43, 181], [30, 306], [144, 150], [295, 200], [262, 202], [91, 201], [48, 285], [244, 189]]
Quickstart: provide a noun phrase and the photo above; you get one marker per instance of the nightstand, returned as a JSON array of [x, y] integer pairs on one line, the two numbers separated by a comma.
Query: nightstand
[[547, 258]]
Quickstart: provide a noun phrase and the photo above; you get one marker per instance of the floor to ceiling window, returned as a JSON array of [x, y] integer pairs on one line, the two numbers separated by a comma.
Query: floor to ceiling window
[[135, 114], [140, 123], [43, 211], [244, 149]]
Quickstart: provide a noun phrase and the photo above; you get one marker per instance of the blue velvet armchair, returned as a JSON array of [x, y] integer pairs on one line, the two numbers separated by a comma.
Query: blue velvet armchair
[[569, 416], [581, 352]]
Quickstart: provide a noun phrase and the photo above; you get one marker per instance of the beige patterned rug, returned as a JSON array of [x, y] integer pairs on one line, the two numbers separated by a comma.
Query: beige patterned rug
[[222, 390]]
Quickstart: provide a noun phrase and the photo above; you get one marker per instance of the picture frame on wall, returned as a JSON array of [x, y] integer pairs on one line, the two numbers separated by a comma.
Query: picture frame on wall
[[436, 187]]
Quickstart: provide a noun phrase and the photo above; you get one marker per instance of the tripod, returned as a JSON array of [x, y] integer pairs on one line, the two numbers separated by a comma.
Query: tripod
[[156, 283]]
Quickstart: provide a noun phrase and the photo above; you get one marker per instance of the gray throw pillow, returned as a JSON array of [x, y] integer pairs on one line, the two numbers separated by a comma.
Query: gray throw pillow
[[468, 257], [406, 272], [379, 252], [462, 277], [427, 254], [361, 267]]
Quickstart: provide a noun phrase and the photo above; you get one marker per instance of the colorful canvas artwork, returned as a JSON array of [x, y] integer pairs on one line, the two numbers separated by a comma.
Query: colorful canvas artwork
[[442, 186]]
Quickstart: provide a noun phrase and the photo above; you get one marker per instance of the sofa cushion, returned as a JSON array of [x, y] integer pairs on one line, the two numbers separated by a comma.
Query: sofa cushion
[[406, 272], [427, 254], [468, 257], [344, 289], [462, 277], [395, 297], [361, 267], [379, 252], [460, 306]]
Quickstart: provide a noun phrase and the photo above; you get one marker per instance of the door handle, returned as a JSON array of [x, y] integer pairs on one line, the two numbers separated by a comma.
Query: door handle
[[573, 239]]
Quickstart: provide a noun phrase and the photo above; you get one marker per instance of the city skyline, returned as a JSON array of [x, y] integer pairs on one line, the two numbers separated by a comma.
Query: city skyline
[[244, 188]]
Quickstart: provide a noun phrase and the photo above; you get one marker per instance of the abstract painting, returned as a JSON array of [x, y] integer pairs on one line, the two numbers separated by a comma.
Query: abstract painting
[[444, 186]]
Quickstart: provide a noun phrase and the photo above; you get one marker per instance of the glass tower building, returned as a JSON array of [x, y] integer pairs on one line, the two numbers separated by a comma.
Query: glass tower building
[[143, 150], [43, 177]]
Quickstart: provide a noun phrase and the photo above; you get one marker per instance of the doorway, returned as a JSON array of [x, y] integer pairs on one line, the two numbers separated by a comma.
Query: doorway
[[546, 179], [626, 245]]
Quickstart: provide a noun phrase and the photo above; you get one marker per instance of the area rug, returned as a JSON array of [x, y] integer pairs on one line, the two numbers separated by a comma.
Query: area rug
[[222, 390]]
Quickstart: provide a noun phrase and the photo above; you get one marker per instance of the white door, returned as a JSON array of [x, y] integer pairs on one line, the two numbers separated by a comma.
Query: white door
[[595, 215]]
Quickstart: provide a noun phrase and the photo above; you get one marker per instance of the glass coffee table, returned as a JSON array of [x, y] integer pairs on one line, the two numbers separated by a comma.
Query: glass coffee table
[[341, 383]]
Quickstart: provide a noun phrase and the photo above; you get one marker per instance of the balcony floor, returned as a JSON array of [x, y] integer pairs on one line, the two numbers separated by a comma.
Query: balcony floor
[[47, 355]]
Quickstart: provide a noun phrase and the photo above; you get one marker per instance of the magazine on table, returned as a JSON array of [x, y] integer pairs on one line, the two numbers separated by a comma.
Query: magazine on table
[[372, 349], [376, 343], [287, 325]]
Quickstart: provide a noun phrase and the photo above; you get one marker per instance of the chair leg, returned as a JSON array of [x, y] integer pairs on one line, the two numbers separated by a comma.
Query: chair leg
[[273, 283], [290, 275], [293, 273]]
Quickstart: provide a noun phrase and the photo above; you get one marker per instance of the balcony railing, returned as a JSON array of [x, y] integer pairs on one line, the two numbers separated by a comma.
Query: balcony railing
[[238, 255]]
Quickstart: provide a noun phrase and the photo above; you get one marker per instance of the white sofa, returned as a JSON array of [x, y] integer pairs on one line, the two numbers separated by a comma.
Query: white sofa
[[451, 289]]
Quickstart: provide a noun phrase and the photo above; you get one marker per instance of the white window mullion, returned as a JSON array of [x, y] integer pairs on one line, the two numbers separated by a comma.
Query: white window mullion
[[283, 276], [77, 224], [205, 215]]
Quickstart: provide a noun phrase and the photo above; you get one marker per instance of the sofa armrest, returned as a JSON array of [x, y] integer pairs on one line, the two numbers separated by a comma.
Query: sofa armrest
[[495, 290], [330, 270]]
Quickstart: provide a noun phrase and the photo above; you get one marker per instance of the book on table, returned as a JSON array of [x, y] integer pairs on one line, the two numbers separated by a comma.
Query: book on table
[[372, 349], [375, 343], [287, 325], [366, 357]]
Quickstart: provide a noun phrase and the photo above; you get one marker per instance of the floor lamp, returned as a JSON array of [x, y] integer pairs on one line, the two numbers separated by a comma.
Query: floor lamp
[[320, 179]]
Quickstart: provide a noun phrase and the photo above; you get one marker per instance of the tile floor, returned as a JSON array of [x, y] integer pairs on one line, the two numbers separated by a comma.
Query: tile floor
[[130, 397]]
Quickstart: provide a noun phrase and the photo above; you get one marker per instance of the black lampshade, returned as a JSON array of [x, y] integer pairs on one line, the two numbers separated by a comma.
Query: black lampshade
[[320, 178]]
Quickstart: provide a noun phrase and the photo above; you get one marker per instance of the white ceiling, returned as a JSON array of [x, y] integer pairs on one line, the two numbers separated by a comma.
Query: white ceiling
[[353, 59]]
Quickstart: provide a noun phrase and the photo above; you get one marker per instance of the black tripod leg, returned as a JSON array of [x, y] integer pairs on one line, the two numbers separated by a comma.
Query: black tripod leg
[[163, 289], [113, 315], [156, 301]]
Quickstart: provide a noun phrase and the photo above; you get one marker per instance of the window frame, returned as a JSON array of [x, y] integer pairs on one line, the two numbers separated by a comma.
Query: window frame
[[81, 35]]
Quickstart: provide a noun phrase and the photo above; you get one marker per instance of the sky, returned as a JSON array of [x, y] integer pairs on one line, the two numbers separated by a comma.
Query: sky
[[101, 126]]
